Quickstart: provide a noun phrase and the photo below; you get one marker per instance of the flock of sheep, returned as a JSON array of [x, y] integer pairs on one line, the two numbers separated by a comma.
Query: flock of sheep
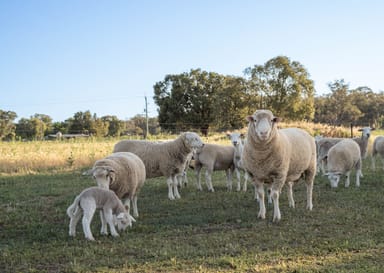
[[268, 157]]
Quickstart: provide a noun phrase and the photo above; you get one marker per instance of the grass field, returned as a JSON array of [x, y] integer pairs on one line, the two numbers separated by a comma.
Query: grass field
[[202, 232]]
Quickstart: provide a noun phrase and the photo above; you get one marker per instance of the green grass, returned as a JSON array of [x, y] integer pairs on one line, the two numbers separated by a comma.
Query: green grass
[[202, 232]]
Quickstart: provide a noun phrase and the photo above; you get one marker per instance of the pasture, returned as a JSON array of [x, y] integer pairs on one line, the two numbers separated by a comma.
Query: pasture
[[201, 232]]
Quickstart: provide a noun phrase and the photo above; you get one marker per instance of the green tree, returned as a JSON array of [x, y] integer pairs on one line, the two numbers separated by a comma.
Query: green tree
[[186, 100], [81, 123], [284, 87], [7, 126], [115, 126], [33, 128]]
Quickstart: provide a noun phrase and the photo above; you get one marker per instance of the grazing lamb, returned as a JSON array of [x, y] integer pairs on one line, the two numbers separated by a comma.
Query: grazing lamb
[[378, 149], [324, 144], [124, 173], [342, 158], [214, 157], [237, 142], [163, 158], [278, 157], [86, 204]]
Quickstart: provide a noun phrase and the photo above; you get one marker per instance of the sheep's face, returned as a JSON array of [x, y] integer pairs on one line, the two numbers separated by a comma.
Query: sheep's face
[[366, 132], [334, 178], [193, 140], [123, 220], [235, 138], [263, 124], [104, 177]]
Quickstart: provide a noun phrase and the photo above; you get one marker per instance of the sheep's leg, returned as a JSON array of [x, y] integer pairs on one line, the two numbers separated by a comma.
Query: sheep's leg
[[347, 179], [246, 176], [170, 191], [175, 189], [228, 173], [276, 210], [291, 201], [373, 161], [358, 173], [109, 219], [208, 180], [269, 194], [104, 228], [73, 222], [259, 188], [309, 178], [89, 211], [198, 177], [134, 204], [238, 175]]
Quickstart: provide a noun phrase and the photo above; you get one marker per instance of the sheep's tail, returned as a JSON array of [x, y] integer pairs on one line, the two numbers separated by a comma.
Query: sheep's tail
[[72, 209]]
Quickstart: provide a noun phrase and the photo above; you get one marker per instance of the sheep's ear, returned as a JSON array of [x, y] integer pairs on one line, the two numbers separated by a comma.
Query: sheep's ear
[[360, 130], [242, 135], [276, 119], [228, 134], [250, 119], [373, 129]]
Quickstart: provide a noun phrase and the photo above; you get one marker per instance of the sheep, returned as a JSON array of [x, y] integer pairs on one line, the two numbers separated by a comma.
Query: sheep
[[377, 149], [237, 142], [124, 173], [342, 158], [324, 144], [163, 159], [86, 204], [278, 156], [214, 157]]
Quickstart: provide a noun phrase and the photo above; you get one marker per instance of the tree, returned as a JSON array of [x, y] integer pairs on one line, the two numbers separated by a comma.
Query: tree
[[33, 128], [186, 100], [7, 127], [81, 123], [284, 87], [115, 126]]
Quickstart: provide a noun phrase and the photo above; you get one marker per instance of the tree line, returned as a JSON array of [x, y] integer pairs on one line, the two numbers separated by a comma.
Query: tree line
[[201, 100]]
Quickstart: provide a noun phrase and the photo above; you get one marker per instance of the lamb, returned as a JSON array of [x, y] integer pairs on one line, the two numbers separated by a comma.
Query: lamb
[[86, 204], [278, 156], [122, 172], [237, 142], [324, 144], [165, 158], [214, 157], [377, 149], [342, 158]]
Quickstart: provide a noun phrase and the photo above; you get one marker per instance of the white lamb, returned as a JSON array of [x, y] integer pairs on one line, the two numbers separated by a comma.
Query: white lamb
[[163, 158], [237, 142], [86, 204], [342, 158], [278, 157], [324, 144], [378, 149], [214, 157], [124, 173]]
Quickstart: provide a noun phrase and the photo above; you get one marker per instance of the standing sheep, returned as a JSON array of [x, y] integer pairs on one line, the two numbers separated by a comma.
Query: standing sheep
[[324, 144], [214, 157], [86, 204], [237, 142], [278, 156], [378, 149], [342, 158], [124, 173], [163, 158]]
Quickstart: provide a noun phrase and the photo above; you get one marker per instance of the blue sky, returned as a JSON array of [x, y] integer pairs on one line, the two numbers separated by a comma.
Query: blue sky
[[61, 57]]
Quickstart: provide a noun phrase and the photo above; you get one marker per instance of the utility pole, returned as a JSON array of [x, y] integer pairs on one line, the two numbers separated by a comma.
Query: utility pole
[[146, 118]]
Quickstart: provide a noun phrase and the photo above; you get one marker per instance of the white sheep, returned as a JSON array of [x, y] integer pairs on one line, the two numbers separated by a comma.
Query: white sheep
[[378, 149], [324, 144], [278, 157], [163, 158], [86, 204], [341, 159], [122, 172], [237, 142], [214, 157]]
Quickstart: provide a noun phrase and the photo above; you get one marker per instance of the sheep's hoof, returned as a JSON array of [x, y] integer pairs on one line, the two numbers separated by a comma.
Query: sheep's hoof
[[90, 239], [261, 216]]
